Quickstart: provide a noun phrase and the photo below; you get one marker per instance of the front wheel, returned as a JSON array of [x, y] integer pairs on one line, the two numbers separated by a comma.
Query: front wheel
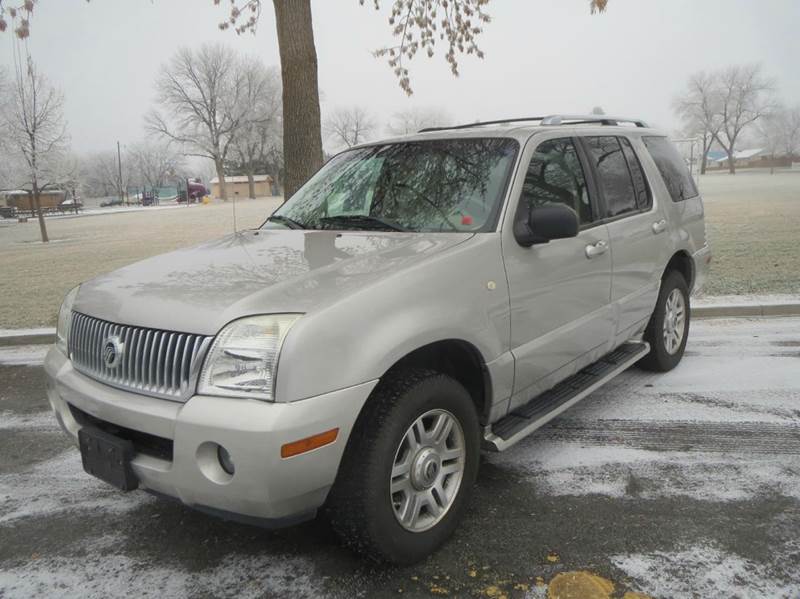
[[668, 328], [408, 469]]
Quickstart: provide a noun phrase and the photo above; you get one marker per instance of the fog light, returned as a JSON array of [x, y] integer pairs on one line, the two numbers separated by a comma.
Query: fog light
[[225, 460]]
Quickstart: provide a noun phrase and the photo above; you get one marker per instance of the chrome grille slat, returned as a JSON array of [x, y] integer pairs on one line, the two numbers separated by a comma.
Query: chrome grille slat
[[158, 363]]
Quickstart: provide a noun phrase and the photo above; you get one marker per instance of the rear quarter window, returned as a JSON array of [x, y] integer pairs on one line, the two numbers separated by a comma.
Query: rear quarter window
[[673, 169]]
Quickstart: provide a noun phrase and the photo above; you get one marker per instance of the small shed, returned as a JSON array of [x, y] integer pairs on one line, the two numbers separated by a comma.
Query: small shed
[[237, 186], [22, 199]]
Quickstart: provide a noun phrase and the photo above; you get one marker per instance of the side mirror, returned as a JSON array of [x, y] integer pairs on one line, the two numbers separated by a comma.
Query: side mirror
[[543, 223]]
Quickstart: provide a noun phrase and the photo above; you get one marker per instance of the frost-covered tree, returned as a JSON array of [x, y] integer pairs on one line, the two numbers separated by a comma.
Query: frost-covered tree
[[414, 119], [34, 130], [200, 93], [348, 127]]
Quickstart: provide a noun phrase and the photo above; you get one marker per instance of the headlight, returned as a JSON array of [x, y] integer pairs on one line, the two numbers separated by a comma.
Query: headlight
[[243, 359], [65, 320]]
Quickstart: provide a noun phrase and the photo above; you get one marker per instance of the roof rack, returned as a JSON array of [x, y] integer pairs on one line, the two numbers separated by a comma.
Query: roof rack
[[548, 121]]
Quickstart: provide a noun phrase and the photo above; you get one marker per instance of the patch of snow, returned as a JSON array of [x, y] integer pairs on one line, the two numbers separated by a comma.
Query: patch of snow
[[100, 575], [573, 469], [702, 571], [59, 485], [746, 300], [37, 421], [23, 355]]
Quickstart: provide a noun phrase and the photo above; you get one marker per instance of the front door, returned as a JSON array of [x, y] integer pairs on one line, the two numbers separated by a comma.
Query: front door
[[560, 291]]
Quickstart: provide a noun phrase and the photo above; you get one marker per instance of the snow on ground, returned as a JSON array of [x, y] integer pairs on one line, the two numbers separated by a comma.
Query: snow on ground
[[36, 421], [23, 355], [704, 571], [59, 485], [117, 575]]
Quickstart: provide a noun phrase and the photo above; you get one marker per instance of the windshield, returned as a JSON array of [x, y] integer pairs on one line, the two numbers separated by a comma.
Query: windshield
[[437, 185]]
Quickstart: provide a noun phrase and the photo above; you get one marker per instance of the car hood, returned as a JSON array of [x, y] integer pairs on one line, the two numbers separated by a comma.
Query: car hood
[[200, 289]]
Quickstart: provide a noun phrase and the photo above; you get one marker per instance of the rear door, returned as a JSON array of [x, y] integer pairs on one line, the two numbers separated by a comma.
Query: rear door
[[559, 291], [637, 230]]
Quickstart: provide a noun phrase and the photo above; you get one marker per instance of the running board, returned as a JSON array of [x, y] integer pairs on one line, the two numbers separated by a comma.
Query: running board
[[543, 408]]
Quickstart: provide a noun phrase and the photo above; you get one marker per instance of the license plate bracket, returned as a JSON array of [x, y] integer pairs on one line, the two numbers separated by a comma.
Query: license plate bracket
[[107, 457]]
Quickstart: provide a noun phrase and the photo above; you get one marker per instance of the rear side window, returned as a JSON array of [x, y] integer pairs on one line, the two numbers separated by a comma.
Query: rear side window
[[643, 198], [612, 170], [555, 175], [673, 169]]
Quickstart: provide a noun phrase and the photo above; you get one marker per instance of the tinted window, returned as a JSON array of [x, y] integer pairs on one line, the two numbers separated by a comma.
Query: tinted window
[[615, 178], [673, 169], [555, 175], [438, 185], [643, 198]]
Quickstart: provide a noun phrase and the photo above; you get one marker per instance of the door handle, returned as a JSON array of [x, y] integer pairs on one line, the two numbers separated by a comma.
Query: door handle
[[599, 248], [659, 227]]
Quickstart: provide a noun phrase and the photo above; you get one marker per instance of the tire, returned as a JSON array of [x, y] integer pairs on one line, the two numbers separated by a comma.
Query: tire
[[668, 341], [362, 508]]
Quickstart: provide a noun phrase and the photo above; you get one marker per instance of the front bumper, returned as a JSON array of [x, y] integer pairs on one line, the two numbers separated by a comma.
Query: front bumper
[[702, 262], [265, 488]]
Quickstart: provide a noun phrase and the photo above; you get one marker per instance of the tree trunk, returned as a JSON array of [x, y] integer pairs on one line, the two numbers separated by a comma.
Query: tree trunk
[[302, 129], [706, 149], [218, 164], [731, 161], [251, 185], [37, 205]]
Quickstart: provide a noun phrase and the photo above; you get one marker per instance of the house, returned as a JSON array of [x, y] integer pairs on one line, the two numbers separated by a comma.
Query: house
[[752, 158], [237, 186]]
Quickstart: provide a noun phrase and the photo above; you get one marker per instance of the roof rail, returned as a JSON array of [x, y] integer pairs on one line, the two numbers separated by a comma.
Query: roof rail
[[551, 120], [482, 123], [581, 119]]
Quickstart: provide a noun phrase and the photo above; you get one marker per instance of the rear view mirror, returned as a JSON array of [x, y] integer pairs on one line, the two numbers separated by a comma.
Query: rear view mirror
[[544, 223]]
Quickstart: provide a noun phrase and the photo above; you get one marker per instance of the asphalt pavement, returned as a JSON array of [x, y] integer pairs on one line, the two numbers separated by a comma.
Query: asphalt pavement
[[685, 484]]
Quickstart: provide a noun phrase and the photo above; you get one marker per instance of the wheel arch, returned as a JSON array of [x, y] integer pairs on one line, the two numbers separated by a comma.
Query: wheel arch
[[681, 262], [458, 359]]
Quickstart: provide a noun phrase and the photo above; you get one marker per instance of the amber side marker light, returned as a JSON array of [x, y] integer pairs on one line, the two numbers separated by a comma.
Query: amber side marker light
[[309, 443]]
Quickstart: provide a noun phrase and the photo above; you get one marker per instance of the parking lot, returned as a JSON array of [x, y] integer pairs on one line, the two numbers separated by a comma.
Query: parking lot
[[678, 485]]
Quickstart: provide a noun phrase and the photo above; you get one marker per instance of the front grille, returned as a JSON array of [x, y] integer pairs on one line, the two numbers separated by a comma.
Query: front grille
[[158, 363]]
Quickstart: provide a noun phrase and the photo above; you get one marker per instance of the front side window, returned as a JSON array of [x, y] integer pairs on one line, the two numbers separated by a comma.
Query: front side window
[[437, 185], [555, 175], [614, 176], [673, 169]]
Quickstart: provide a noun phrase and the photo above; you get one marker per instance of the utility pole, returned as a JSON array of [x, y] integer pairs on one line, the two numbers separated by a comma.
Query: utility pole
[[119, 171]]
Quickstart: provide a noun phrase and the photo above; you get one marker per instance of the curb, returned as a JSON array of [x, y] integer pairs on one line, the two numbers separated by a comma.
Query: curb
[[23, 337], [734, 310]]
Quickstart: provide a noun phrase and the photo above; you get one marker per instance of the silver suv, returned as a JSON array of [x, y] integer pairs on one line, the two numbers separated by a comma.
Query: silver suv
[[419, 300]]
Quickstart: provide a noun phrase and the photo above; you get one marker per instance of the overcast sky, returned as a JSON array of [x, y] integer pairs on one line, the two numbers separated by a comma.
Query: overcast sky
[[542, 56]]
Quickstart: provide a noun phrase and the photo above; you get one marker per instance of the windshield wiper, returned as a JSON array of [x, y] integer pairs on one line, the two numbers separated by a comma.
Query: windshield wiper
[[364, 221], [285, 220]]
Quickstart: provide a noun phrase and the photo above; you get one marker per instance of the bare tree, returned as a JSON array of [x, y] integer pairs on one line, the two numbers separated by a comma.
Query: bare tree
[[745, 97], [414, 119], [348, 127], [33, 123], [103, 176], [153, 162], [260, 130], [700, 110], [201, 93], [790, 126], [598, 110]]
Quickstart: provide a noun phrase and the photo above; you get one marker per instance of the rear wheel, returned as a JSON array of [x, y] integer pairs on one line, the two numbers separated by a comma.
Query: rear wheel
[[408, 469], [668, 328]]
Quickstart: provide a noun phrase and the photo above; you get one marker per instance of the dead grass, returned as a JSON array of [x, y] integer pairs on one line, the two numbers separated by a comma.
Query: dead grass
[[35, 276], [753, 221]]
